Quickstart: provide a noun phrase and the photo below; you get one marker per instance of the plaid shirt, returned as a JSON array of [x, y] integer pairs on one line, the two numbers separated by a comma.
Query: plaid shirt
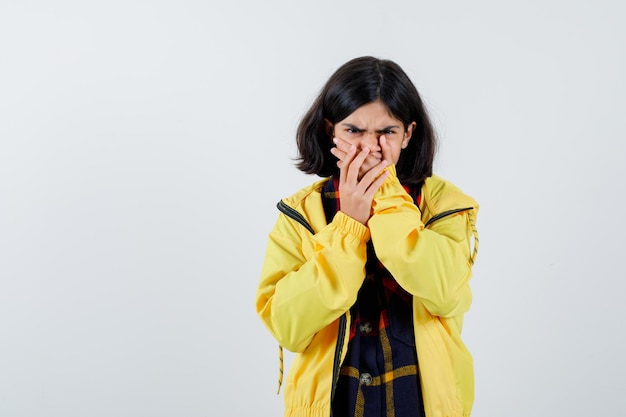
[[379, 376]]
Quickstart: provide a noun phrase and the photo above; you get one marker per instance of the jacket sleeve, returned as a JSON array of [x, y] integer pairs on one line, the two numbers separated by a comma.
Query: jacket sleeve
[[308, 281], [434, 263]]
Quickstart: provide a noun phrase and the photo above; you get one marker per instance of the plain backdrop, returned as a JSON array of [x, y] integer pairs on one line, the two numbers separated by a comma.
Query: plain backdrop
[[144, 145]]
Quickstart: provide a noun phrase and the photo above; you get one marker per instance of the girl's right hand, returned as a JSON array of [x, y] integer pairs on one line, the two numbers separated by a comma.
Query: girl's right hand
[[356, 194], [342, 147]]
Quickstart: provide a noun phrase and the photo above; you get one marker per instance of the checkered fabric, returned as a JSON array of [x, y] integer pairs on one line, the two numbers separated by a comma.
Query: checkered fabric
[[379, 376]]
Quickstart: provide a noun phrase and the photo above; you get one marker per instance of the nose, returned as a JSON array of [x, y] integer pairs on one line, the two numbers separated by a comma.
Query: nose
[[370, 140]]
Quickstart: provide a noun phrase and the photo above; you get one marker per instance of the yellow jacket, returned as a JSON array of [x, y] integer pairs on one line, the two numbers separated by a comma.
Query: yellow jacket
[[310, 279]]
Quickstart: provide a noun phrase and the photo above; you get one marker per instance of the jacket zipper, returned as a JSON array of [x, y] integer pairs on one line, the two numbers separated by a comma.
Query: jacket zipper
[[472, 224], [337, 362], [292, 213], [446, 213], [295, 215]]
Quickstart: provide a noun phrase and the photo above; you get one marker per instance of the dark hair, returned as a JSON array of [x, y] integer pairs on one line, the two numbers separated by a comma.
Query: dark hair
[[361, 81]]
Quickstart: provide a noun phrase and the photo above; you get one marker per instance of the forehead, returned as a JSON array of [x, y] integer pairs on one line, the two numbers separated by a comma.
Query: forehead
[[374, 113]]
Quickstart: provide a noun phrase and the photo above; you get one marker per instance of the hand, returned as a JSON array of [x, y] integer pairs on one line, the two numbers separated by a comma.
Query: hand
[[357, 193], [374, 157], [343, 147]]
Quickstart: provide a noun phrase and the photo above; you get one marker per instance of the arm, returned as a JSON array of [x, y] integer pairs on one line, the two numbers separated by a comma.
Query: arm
[[308, 281], [434, 263]]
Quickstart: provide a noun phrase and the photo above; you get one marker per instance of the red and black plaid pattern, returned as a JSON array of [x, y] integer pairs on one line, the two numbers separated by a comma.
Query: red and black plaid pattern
[[379, 376]]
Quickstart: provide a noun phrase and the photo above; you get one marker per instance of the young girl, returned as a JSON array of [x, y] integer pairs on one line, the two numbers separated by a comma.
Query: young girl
[[366, 274]]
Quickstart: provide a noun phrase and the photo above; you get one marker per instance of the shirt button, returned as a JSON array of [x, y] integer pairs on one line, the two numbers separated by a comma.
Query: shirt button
[[365, 379], [365, 328]]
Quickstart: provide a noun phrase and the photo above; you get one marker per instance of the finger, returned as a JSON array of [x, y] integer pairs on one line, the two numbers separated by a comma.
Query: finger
[[355, 165], [374, 178], [376, 170], [373, 158], [386, 149], [343, 147], [338, 153], [370, 162], [345, 164], [370, 176], [378, 182], [342, 144], [375, 154]]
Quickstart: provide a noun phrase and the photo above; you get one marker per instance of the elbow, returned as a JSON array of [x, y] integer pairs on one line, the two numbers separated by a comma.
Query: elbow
[[294, 346], [454, 305], [450, 300], [283, 331], [290, 340]]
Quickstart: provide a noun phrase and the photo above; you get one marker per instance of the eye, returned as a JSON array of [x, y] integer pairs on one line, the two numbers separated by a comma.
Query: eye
[[353, 130], [387, 132]]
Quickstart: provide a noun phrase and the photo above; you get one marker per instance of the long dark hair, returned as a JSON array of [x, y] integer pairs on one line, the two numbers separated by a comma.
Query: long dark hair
[[358, 82]]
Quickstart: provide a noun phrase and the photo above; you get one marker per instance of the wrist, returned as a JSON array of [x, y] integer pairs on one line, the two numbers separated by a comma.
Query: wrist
[[352, 226]]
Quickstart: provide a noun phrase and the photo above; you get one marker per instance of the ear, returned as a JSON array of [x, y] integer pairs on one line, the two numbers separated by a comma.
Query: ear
[[330, 129], [407, 134]]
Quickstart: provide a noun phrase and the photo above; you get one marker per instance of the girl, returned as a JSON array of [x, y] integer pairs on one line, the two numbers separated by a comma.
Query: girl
[[366, 274]]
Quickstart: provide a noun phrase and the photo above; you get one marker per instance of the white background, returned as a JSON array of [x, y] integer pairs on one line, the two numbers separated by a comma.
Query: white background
[[144, 144]]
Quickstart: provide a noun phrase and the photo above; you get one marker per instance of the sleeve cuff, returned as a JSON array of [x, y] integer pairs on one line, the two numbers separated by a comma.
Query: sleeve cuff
[[351, 226]]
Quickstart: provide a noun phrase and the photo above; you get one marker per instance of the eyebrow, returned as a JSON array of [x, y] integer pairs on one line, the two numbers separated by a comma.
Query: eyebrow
[[351, 126]]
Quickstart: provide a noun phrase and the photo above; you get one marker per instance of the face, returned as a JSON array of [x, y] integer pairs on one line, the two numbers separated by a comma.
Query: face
[[364, 127]]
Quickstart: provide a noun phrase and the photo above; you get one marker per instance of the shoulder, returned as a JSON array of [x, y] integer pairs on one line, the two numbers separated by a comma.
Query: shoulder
[[300, 197], [441, 195], [308, 203]]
